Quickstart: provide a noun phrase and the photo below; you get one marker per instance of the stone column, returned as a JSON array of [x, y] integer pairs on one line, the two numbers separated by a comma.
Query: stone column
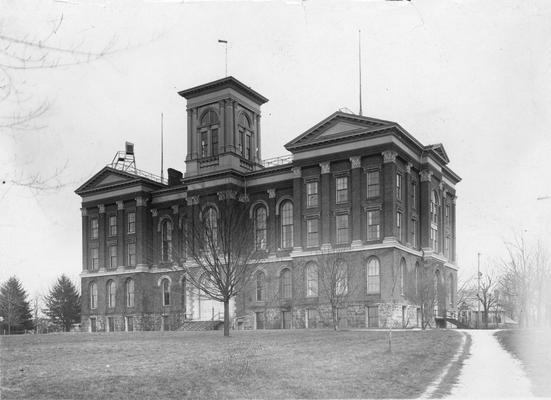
[[228, 125], [389, 195], [271, 233], [141, 232], [424, 209], [121, 231], [85, 230], [102, 237], [356, 200], [324, 195], [297, 209], [193, 134]]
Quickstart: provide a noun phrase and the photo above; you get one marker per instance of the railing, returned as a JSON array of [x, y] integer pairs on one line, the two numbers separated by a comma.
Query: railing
[[275, 161], [138, 172]]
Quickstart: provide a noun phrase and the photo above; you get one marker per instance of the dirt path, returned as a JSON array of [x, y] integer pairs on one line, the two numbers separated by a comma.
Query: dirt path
[[490, 371]]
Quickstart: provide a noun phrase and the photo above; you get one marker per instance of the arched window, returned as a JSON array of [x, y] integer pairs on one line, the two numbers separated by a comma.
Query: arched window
[[341, 278], [260, 228], [434, 209], [311, 279], [130, 293], [285, 281], [111, 294], [286, 224], [402, 275], [166, 292], [93, 296], [245, 136], [373, 277], [166, 240], [208, 133], [210, 221], [260, 286]]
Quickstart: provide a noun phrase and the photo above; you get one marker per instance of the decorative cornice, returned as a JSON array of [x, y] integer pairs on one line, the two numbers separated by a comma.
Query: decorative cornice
[[120, 205], [325, 167], [389, 156], [297, 172], [271, 193], [426, 175], [101, 208], [355, 162]]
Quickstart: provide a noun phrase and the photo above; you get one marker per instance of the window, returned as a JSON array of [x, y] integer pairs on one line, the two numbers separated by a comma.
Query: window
[[110, 324], [402, 275], [113, 256], [434, 238], [373, 317], [260, 286], [434, 208], [131, 254], [165, 323], [373, 278], [414, 232], [93, 296], [204, 144], [259, 317], [399, 225], [372, 184], [94, 254], [209, 128], [312, 232], [166, 292], [311, 279], [211, 226], [341, 278], [312, 194], [93, 325], [129, 324], [447, 214], [413, 194], [342, 228], [111, 294], [131, 222], [215, 142], [94, 228], [245, 136], [260, 228], [166, 240], [287, 225], [285, 281], [399, 186], [447, 246], [248, 147], [373, 225], [130, 293], [112, 225], [342, 189]]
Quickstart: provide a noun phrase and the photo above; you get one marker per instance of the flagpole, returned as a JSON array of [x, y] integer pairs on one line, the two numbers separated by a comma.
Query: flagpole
[[162, 150], [360, 66], [226, 44]]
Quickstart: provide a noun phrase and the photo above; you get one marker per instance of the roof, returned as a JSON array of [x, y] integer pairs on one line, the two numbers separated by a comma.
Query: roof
[[228, 82], [109, 178]]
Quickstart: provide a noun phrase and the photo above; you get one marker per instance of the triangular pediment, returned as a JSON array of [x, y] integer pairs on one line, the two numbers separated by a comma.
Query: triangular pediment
[[108, 177], [438, 149], [339, 125]]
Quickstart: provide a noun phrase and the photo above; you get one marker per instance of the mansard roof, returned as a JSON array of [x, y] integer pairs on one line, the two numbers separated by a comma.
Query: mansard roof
[[228, 82], [110, 178]]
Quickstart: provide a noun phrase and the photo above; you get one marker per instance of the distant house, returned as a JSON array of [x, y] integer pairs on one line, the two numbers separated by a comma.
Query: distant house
[[469, 315]]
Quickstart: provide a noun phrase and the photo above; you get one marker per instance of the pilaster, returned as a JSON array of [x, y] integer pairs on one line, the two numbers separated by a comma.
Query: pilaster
[[407, 205], [102, 233], [271, 235], [356, 199], [424, 211], [297, 209], [389, 195], [141, 231], [325, 209], [85, 230], [120, 232]]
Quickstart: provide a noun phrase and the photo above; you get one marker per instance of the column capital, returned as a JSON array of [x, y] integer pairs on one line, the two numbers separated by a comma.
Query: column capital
[[140, 201], [325, 167], [389, 156], [426, 175], [120, 205], [154, 212], [297, 172], [271, 193], [227, 195], [193, 200], [101, 208], [175, 209], [408, 167], [355, 162], [454, 199], [84, 212]]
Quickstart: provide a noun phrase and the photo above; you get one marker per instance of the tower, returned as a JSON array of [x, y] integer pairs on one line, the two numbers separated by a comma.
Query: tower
[[223, 130]]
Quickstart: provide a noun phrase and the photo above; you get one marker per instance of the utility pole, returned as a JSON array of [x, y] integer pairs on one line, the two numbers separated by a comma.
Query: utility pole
[[478, 292]]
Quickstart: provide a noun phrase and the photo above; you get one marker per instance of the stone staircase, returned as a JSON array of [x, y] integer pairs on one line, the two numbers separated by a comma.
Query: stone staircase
[[201, 326]]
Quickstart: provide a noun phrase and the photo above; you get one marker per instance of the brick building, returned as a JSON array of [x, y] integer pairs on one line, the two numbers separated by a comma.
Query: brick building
[[355, 188]]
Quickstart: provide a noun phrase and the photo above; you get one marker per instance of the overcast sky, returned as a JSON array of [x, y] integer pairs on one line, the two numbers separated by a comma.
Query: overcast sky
[[473, 75]]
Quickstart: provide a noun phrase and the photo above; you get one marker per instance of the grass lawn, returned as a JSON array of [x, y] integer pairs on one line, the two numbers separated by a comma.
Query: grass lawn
[[249, 364], [533, 348]]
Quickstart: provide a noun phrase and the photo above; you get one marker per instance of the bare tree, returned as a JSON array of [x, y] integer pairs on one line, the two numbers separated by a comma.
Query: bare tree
[[221, 245], [487, 297]]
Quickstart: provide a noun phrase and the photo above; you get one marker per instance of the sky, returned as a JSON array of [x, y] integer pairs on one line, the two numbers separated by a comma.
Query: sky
[[472, 75]]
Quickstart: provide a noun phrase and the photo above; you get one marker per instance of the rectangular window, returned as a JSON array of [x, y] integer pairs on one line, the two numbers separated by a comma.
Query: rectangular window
[[259, 320], [434, 239], [342, 228], [311, 194], [399, 225], [110, 324], [312, 233], [414, 233], [447, 247], [129, 324], [113, 256], [373, 225], [112, 225], [131, 254], [166, 324], [204, 144], [311, 318], [399, 186], [372, 184], [94, 254], [342, 189], [373, 317], [215, 142], [413, 195], [93, 326], [248, 147], [286, 319], [131, 222], [447, 214], [94, 228]]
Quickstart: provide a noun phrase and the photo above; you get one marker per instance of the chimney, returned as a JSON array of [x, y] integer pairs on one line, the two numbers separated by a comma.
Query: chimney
[[174, 177]]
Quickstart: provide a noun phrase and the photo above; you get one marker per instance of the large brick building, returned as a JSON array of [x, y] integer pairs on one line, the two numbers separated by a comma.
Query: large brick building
[[356, 188]]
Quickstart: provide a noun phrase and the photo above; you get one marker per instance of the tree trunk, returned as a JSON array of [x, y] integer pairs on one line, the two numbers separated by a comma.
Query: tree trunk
[[226, 318], [335, 321]]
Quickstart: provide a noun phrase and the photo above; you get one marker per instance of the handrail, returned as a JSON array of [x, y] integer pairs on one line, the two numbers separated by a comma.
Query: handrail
[[138, 172]]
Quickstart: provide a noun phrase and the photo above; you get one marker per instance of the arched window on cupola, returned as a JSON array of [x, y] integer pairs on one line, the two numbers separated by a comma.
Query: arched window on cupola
[[245, 136], [208, 133]]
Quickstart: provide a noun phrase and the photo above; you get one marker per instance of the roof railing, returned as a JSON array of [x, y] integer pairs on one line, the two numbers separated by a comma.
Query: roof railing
[[275, 161], [138, 172]]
